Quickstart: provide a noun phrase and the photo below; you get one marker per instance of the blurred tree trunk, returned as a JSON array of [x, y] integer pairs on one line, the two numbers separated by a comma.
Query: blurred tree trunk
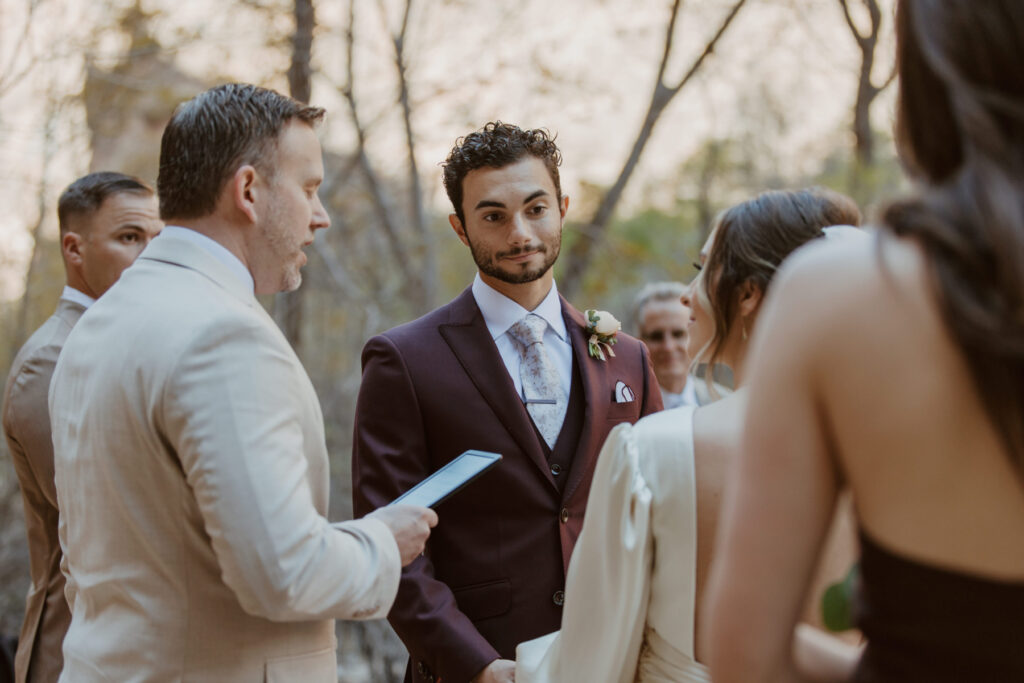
[[21, 330], [579, 256], [288, 306], [867, 91]]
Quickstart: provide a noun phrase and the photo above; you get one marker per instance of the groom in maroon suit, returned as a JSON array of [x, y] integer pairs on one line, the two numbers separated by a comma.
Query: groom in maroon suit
[[505, 368]]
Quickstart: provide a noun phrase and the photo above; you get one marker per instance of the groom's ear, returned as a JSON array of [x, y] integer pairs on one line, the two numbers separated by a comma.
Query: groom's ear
[[457, 226]]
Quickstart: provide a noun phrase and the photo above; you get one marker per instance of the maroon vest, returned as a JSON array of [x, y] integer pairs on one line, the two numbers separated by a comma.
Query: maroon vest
[[561, 456]]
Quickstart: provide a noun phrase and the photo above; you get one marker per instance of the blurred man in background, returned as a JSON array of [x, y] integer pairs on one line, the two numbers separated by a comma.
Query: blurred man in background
[[660, 319], [106, 220]]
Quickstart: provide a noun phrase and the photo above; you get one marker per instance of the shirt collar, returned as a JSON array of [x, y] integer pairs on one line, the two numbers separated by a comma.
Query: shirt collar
[[500, 312], [216, 249], [77, 296]]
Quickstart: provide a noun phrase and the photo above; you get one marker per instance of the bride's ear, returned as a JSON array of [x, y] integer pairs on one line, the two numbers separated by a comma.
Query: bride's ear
[[751, 295]]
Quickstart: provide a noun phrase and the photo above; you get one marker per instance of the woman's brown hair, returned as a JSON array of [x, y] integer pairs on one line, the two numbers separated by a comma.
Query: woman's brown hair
[[752, 239], [960, 129]]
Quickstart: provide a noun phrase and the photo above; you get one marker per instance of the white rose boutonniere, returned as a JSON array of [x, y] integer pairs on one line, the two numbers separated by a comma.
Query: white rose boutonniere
[[601, 330]]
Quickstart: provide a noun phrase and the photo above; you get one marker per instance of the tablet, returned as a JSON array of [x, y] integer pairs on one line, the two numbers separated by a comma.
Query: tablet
[[433, 490]]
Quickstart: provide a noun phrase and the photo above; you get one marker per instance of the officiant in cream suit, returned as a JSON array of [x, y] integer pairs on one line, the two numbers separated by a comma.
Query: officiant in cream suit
[[191, 468]]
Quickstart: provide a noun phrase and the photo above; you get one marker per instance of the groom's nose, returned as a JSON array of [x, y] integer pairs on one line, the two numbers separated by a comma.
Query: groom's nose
[[519, 229]]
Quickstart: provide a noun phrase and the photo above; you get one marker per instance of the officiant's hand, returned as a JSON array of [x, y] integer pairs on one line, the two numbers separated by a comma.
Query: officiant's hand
[[498, 671], [411, 526]]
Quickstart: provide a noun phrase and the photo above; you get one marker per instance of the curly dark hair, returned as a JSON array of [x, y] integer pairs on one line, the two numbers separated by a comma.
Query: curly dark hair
[[497, 145], [213, 134]]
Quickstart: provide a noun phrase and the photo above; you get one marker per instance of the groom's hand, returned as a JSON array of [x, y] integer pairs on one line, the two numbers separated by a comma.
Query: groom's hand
[[410, 525], [498, 671]]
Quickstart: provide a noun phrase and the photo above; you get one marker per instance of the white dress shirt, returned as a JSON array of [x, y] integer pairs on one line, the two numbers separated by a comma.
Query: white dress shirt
[[500, 313], [216, 249], [686, 397], [77, 296]]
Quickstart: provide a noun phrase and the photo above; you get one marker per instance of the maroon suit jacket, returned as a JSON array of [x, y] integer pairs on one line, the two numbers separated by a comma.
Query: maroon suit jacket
[[494, 569]]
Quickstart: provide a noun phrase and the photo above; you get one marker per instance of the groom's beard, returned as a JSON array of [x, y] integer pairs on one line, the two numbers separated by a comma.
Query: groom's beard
[[488, 263]]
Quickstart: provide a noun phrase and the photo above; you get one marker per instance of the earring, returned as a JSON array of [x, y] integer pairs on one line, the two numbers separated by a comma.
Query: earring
[[744, 328]]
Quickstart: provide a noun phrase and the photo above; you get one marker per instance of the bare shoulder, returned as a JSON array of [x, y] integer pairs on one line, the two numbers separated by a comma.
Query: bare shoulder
[[838, 287], [717, 427]]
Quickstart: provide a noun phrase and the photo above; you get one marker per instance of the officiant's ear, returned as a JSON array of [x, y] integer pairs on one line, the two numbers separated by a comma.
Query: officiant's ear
[[563, 205], [244, 189], [453, 219]]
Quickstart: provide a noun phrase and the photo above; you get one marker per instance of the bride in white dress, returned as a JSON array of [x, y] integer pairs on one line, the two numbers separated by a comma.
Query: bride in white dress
[[634, 581]]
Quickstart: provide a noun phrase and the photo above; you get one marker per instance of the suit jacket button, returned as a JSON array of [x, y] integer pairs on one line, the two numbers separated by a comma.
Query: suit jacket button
[[556, 469], [558, 598], [564, 515]]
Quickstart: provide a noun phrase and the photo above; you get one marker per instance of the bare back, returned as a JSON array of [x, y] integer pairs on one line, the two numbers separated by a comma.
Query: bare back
[[930, 478]]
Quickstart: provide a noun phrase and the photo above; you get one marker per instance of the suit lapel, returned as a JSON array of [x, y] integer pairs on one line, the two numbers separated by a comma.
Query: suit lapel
[[593, 375], [471, 342]]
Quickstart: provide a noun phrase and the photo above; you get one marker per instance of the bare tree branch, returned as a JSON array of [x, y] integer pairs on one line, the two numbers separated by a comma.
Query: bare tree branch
[[580, 254], [849, 21], [380, 202], [867, 91], [428, 274]]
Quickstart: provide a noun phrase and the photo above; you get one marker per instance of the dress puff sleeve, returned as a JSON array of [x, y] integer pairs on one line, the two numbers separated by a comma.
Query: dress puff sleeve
[[608, 583]]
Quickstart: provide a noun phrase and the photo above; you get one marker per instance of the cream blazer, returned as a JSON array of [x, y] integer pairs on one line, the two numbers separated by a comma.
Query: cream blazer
[[192, 479]]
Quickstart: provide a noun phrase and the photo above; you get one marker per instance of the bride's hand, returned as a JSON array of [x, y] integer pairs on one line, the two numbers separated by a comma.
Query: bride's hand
[[498, 671]]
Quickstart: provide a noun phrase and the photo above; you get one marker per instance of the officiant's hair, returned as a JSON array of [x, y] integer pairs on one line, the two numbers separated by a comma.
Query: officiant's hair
[[751, 241], [497, 145], [209, 137], [960, 130], [87, 194]]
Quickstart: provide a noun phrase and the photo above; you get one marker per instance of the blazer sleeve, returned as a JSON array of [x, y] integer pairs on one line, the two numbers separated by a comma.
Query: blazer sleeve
[[234, 410], [389, 456], [27, 422], [608, 582], [653, 402]]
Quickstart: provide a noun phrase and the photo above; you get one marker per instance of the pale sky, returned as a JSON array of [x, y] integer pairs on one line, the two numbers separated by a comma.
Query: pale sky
[[581, 68]]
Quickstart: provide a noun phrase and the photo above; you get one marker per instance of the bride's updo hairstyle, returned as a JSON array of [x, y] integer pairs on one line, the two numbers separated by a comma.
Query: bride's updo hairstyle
[[751, 240], [960, 130]]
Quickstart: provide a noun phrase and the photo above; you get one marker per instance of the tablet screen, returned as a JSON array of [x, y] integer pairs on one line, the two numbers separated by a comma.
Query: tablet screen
[[449, 479]]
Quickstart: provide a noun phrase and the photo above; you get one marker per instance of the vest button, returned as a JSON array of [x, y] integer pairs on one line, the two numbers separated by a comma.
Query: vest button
[[558, 598], [564, 515], [556, 469]]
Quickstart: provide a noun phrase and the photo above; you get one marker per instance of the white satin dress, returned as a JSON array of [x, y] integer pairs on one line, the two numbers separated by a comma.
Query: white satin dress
[[631, 588]]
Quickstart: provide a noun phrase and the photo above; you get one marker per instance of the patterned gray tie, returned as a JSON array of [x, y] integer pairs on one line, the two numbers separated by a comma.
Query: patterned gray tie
[[546, 400]]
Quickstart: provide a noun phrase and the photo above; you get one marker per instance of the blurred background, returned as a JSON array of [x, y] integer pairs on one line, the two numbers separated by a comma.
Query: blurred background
[[666, 112]]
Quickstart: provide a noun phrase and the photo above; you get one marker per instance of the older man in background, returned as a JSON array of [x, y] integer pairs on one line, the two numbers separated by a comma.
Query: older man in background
[[660, 319], [106, 219]]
